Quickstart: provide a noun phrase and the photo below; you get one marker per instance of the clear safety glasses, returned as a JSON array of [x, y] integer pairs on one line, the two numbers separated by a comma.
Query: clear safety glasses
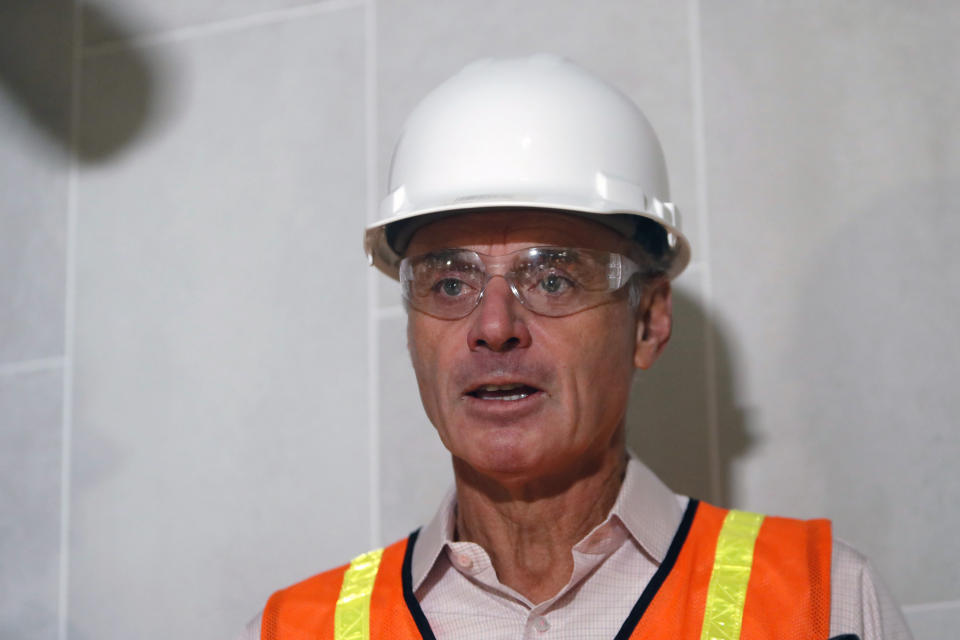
[[552, 281]]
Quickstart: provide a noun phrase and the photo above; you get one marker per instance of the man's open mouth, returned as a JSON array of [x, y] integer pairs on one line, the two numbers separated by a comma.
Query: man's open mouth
[[513, 391]]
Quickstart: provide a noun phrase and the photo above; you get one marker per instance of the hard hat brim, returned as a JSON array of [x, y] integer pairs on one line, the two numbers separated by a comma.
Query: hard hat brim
[[384, 256]]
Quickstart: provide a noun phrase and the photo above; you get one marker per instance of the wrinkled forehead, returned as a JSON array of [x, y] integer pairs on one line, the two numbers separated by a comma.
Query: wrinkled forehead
[[500, 232]]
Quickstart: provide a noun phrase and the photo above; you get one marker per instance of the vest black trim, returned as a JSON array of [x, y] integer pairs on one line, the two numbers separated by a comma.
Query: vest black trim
[[406, 577], [661, 575], [633, 619]]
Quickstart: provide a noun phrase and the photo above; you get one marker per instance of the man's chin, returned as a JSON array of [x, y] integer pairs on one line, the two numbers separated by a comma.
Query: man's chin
[[513, 463]]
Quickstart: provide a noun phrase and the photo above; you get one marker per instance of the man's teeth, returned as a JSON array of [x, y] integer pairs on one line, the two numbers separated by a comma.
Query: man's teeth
[[515, 396], [502, 391]]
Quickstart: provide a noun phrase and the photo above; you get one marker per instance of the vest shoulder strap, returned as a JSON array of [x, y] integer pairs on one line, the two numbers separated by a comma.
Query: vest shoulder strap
[[357, 601], [788, 595], [747, 576]]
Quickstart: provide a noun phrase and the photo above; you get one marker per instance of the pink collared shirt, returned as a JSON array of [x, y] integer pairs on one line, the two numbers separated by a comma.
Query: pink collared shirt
[[462, 598]]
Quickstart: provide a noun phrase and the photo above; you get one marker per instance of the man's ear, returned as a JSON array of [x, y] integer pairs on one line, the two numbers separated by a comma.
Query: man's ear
[[654, 323]]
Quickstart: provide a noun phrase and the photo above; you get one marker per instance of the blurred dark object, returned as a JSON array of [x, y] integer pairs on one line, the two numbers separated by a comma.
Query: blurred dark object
[[36, 67]]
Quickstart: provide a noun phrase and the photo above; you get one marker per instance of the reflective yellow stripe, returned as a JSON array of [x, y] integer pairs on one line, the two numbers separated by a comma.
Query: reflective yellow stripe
[[351, 620], [731, 573]]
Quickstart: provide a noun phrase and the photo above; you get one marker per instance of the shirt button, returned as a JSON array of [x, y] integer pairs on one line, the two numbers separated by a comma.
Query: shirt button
[[463, 561], [540, 624]]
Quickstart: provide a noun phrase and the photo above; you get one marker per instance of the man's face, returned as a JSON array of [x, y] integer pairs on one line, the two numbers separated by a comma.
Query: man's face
[[575, 370]]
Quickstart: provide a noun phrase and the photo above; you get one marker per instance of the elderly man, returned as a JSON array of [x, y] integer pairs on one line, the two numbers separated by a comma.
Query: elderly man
[[531, 231]]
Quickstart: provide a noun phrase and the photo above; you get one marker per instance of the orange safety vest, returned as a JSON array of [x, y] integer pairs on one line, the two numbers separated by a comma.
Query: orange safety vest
[[727, 575]]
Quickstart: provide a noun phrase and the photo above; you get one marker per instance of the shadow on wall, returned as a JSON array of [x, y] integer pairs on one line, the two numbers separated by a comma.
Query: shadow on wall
[[36, 66], [879, 368], [667, 420]]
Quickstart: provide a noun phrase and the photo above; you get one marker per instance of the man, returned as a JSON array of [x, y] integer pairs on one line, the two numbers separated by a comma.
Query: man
[[530, 227]]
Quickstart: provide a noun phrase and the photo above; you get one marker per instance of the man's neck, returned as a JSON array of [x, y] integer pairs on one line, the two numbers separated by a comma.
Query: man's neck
[[529, 529]]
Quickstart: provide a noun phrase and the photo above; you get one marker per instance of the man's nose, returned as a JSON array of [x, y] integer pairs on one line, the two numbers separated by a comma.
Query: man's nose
[[498, 323]]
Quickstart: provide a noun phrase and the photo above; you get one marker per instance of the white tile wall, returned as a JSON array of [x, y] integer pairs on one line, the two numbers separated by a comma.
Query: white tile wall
[[34, 155], [415, 470], [221, 346], [934, 621], [30, 503], [833, 162], [115, 20], [33, 184]]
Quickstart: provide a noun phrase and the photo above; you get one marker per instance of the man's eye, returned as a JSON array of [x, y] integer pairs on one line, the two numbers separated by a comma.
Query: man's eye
[[554, 283], [450, 287]]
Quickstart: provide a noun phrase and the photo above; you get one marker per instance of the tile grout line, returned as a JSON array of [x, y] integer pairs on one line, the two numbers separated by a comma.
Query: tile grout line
[[702, 195], [226, 25], [373, 298], [66, 437], [31, 366], [924, 607]]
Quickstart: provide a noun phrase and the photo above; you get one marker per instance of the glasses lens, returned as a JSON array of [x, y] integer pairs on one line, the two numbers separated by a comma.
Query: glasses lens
[[557, 281], [552, 281], [446, 284]]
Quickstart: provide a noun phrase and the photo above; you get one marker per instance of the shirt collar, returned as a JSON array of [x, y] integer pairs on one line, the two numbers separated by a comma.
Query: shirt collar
[[433, 537], [649, 510]]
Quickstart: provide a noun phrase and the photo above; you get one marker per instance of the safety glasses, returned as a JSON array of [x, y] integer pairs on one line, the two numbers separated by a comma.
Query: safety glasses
[[551, 281]]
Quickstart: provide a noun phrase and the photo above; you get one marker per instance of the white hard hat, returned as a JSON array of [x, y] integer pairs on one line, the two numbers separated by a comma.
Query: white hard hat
[[536, 132]]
